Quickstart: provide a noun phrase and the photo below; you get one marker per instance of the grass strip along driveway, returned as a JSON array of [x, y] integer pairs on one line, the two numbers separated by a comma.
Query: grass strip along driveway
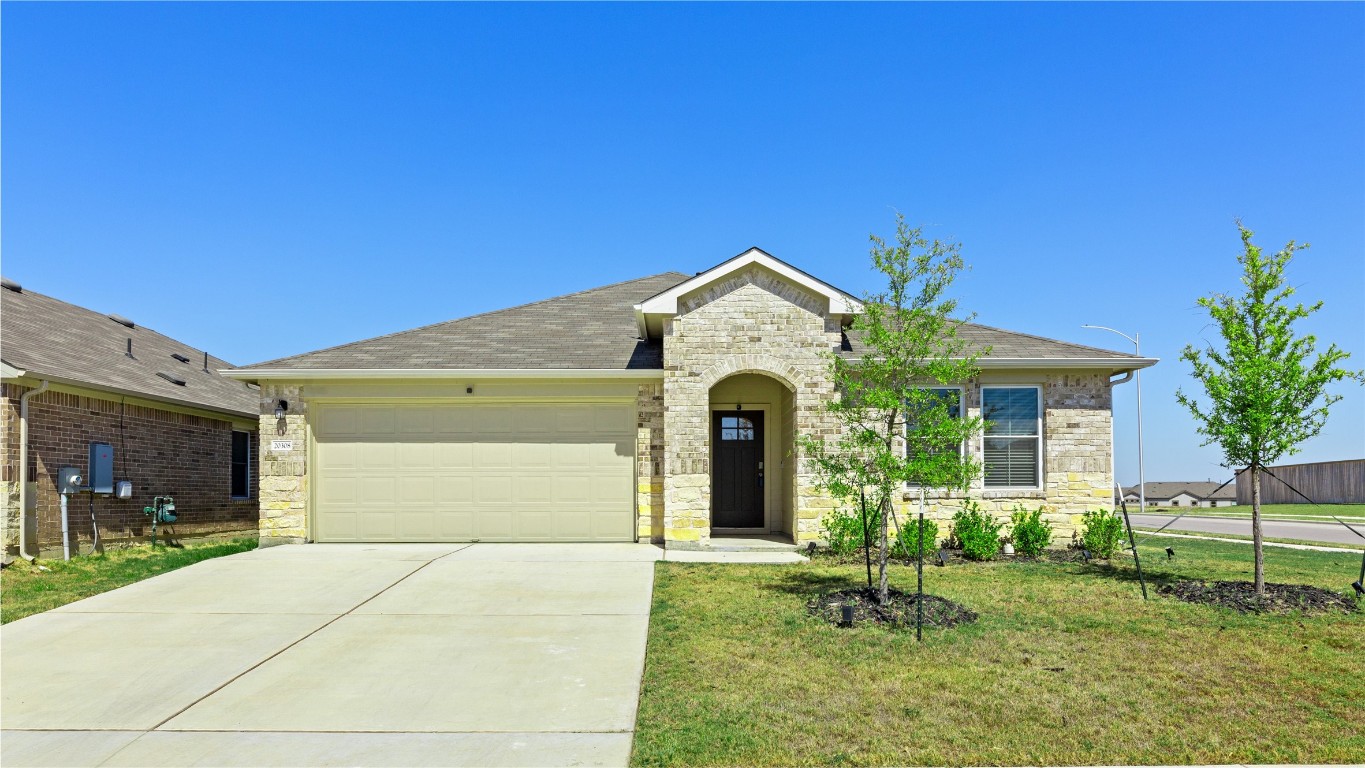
[[26, 589], [1066, 666]]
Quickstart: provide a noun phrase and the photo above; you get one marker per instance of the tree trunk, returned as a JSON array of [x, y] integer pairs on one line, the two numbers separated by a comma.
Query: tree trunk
[[1256, 528], [883, 587]]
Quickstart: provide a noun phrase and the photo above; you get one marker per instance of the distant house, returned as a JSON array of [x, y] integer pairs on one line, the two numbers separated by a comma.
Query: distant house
[[174, 426], [1188, 494]]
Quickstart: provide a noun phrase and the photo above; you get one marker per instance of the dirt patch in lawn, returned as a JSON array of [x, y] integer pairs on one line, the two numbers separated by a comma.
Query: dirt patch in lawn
[[900, 610], [1241, 596]]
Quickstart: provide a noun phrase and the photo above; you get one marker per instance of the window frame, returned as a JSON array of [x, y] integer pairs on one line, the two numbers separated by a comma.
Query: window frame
[[232, 465], [1037, 436]]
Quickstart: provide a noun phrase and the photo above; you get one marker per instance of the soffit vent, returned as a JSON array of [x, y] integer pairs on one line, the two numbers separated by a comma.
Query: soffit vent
[[10, 285], [121, 320], [179, 382]]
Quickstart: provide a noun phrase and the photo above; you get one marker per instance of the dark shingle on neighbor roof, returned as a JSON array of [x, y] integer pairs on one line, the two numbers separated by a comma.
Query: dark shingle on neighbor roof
[[1011, 345], [1200, 489], [52, 339], [592, 329]]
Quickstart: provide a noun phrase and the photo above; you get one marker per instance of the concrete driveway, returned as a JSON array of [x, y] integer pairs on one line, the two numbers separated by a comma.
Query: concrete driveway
[[373, 655]]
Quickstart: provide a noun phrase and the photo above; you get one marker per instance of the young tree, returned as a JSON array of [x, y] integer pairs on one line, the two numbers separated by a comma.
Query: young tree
[[894, 428], [1266, 387]]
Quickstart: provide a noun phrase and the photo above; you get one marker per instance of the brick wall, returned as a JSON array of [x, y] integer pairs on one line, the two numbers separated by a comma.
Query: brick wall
[[161, 452]]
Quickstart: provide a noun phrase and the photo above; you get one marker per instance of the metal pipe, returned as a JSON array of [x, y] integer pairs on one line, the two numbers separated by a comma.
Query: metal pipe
[[23, 468], [66, 539], [1136, 338]]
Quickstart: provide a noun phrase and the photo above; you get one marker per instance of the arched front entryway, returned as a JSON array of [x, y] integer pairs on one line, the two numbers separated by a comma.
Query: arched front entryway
[[751, 431]]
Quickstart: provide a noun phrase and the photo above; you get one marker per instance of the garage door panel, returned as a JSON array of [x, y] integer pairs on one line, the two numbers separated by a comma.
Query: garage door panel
[[377, 491], [419, 490], [502, 472], [381, 456], [493, 455], [454, 455], [376, 421], [454, 490]]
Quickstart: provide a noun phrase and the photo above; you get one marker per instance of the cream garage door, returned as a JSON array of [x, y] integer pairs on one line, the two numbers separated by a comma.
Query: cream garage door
[[493, 472]]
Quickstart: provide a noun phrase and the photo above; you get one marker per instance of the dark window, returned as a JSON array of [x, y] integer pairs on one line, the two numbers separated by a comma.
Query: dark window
[[241, 465], [736, 428], [949, 397], [1013, 439]]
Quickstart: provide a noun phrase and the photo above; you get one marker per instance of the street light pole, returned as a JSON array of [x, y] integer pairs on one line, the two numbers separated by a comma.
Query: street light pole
[[1142, 476], [1137, 381]]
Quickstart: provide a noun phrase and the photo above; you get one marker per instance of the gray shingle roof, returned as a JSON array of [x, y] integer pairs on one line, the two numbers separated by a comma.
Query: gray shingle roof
[[52, 339], [1011, 345], [589, 330], [593, 329], [1200, 489]]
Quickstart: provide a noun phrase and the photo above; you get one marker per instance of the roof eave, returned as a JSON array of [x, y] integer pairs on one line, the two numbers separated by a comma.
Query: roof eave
[[262, 374], [182, 402], [1117, 365]]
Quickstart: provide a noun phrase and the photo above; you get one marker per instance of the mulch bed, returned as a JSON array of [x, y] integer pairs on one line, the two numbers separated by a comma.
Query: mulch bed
[[1241, 596], [900, 611]]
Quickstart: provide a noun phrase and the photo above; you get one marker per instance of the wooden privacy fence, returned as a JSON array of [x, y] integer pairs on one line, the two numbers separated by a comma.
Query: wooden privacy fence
[[1326, 482]]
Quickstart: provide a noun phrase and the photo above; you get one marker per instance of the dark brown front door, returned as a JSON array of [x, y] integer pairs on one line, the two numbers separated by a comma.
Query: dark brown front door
[[737, 469]]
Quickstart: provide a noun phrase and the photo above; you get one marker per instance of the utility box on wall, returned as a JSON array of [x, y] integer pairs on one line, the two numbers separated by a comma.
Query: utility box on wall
[[101, 468]]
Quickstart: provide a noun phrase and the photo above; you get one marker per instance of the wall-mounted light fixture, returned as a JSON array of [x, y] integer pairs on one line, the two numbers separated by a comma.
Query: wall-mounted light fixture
[[281, 408]]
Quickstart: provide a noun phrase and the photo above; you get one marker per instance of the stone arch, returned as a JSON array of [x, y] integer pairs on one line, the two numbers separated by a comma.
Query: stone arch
[[765, 365]]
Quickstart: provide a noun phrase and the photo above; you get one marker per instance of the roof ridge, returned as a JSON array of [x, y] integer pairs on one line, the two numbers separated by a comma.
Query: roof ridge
[[462, 319], [136, 325], [1052, 341]]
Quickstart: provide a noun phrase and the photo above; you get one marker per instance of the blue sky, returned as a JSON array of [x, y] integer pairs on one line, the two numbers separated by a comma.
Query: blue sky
[[266, 179]]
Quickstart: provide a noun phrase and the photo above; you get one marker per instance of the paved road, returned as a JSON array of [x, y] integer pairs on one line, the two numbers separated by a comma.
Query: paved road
[[362, 655], [1325, 532]]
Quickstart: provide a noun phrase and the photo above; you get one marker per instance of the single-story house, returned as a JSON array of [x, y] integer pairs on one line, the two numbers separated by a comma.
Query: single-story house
[[1196, 493], [169, 424], [660, 409]]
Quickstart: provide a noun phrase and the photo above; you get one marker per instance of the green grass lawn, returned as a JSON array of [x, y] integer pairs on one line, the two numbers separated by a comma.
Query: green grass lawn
[[26, 590], [1322, 513], [1066, 666]]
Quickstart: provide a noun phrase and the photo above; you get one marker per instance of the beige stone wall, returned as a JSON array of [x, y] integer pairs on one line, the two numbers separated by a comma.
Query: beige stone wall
[[649, 462], [284, 474], [1077, 468], [752, 322]]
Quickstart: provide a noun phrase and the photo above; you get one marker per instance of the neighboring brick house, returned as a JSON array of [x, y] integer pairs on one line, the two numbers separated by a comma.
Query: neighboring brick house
[[1196, 493], [661, 409], [176, 426]]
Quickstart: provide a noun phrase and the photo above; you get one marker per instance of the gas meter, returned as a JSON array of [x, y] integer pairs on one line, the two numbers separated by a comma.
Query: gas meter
[[161, 511]]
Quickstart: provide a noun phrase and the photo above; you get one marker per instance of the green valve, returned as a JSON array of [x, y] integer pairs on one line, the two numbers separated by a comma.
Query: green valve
[[161, 511]]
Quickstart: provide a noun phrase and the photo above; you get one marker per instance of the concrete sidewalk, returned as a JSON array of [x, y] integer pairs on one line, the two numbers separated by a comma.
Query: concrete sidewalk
[[383, 655]]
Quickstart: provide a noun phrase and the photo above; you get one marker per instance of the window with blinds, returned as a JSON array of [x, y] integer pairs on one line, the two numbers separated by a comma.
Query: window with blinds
[[1013, 438]]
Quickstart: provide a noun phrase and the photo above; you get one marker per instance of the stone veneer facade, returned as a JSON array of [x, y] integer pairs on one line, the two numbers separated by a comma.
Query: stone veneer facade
[[284, 474], [1077, 444], [754, 322], [750, 322]]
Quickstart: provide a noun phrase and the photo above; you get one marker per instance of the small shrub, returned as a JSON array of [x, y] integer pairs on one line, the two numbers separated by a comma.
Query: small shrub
[[1101, 532], [843, 529], [1031, 533], [909, 535], [977, 531]]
